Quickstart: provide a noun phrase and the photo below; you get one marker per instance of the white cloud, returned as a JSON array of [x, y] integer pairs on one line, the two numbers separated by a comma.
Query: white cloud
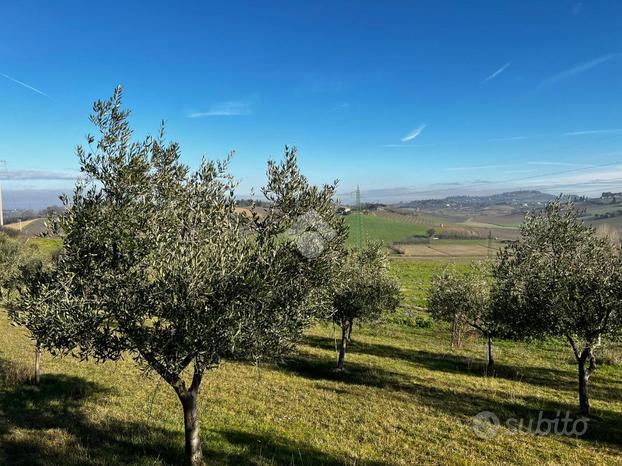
[[559, 164], [477, 167], [341, 106], [581, 68], [593, 131], [22, 175], [224, 109], [497, 73], [414, 133]]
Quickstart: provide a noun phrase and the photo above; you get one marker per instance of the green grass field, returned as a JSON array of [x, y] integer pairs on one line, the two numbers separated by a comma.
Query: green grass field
[[46, 245], [380, 229], [405, 398]]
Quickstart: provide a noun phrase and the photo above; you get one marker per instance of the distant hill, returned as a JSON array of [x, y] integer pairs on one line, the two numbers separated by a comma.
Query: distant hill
[[514, 198]]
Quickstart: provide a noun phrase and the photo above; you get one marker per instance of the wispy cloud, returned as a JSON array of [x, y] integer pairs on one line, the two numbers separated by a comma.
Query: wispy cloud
[[593, 131], [511, 138], [341, 106], [478, 167], [224, 109], [23, 175], [497, 73], [23, 84], [581, 68], [414, 133], [557, 164]]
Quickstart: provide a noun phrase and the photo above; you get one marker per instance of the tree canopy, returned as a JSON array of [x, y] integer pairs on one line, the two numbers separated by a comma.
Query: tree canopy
[[158, 263], [365, 291], [561, 279], [462, 297]]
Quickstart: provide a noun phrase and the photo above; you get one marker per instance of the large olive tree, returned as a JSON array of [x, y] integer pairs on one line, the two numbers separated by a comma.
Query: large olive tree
[[157, 263], [561, 279], [462, 297], [365, 291]]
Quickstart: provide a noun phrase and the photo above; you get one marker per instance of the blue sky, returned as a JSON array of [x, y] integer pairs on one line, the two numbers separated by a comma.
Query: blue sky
[[409, 99]]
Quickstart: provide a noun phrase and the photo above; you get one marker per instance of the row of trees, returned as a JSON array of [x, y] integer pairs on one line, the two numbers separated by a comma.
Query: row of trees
[[561, 279], [157, 263]]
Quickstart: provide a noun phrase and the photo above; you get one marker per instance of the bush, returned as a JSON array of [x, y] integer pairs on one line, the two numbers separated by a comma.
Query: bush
[[409, 320], [13, 374]]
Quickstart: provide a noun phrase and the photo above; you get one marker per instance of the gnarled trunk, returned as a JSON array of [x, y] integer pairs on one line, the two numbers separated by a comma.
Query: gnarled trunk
[[344, 343], [351, 324], [194, 452], [586, 363], [490, 367], [37, 363], [188, 398], [456, 333], [584, 378]]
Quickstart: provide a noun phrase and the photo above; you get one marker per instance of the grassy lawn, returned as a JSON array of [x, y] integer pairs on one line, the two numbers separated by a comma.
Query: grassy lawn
[[414, 278], [405, 398], [46, 245]]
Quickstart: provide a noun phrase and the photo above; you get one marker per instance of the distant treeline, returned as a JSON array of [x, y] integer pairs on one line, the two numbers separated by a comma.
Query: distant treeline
[[612, 214]]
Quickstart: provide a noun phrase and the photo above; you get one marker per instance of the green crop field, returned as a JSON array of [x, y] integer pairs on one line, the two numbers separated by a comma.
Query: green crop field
[[415, 278], [411, 398], [381, 229]]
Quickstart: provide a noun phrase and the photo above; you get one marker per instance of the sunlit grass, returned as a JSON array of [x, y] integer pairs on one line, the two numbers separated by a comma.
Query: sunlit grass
[[405, 398]]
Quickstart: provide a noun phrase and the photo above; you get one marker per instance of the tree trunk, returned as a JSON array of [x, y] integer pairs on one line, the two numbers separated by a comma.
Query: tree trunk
[[188, 398], [194, 452], [584, 379], [583, 357], [490, 368], [342, 348], [456, 335], [351, 324], [37, 363]]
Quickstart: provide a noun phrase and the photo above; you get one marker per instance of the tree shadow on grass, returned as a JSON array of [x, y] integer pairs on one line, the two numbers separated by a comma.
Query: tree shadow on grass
[[565, 380], [47, 424], [463, 404], [266, 449], [63, 434]]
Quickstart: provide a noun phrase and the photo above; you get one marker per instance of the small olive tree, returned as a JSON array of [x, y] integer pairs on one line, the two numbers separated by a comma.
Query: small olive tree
[[463, 298], [561, 279], [366, 290], [21, 265], [157, 263]]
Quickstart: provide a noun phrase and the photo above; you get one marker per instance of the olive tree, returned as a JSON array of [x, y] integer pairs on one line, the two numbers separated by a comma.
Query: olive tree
[[463, 298], [561, 279], [20, 266], [157, 263], [365, 291]]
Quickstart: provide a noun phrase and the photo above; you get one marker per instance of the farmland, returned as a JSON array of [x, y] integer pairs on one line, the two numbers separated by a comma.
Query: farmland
[[407, 392], [381, 229], [409, 395]]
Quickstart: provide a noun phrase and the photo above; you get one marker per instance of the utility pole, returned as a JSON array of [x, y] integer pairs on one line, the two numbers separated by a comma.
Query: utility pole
[[2, 168], [489, 243]]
